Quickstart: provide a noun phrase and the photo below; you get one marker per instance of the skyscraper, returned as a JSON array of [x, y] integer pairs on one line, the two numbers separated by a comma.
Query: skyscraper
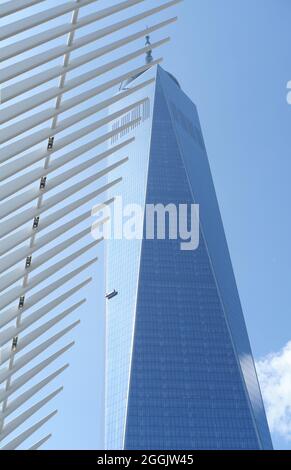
[[179, 367]]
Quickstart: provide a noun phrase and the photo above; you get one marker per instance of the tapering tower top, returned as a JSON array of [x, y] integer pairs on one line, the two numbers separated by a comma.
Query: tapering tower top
[[149, 56]]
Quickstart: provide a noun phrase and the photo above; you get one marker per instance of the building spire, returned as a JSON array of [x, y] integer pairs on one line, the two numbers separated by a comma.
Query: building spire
[[149, 56]]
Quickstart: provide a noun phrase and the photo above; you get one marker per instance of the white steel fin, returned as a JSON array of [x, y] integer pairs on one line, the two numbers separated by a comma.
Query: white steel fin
[[32, 354], [36, 40], [9, 334], [13, 6], [41, 17], [15, 443], [19, 291], [36, 180], [24, 378], [12, 312], [16, 422], [40, 443], [21, 235], [21, 67], [12, 111], [35, 316], [36, 137], [25, 197], [28, 394]]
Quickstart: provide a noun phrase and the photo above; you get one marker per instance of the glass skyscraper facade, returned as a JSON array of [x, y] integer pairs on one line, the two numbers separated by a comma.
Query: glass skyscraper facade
[[179, 368]]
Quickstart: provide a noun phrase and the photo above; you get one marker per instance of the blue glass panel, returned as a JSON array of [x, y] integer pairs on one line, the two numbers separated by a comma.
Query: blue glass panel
[[187, 389], [179, 368]]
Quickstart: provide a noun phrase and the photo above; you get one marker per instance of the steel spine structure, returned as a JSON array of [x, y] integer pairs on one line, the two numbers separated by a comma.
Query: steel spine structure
[[31, 120]]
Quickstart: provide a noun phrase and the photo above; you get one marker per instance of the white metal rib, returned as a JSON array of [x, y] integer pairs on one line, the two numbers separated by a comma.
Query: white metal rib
[[19, 420], [15, 239], [36, 40], [15, 222], [44, 292], [15, 443], [40, 18], [14, 275], [11, 259], [33, 353], [28, 104], [38, 332], [8, 8], [25, 283], [21, 67], [37, 137], [40, 443], [31, 373], [12, 131], [12, 168], [28, 339], [25, 396], [20, 200], [14, 149], [16, 292], [36, 315]]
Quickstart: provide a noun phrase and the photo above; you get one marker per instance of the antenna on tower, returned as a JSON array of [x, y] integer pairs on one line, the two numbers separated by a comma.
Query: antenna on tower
[[149, 56]]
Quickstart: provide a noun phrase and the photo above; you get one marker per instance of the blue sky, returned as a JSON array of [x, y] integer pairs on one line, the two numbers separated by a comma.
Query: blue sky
[[232, 57]]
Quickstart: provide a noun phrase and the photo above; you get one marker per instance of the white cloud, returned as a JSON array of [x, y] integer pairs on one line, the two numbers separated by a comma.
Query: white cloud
[[274, 372]]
